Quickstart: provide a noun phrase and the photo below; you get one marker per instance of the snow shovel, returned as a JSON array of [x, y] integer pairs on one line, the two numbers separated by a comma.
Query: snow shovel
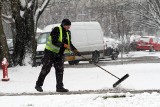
[[119, 79]]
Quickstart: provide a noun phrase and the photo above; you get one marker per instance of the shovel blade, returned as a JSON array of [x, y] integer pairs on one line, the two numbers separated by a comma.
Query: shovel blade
[[120, 80]]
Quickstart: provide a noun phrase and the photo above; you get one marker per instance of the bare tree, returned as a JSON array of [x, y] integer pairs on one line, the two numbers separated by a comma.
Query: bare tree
[[152, 13], [148, 12], [3, 43], [26, 14]]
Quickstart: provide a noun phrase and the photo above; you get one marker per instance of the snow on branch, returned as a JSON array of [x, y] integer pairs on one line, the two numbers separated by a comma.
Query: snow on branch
[[150, 11], [44, 5], [41, 9], [7, 19], [23, 3], [30, 4]]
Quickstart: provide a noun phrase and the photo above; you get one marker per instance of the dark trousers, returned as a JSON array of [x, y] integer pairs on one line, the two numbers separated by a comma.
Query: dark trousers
[[49, 59]]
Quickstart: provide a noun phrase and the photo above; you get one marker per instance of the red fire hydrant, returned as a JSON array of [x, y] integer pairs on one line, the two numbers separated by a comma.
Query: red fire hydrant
[[5, 69]]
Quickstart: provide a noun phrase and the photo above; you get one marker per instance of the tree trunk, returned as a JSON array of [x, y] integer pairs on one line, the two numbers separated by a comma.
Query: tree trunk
[[3, 43], [26, 25], [30, 29], [21, 37]]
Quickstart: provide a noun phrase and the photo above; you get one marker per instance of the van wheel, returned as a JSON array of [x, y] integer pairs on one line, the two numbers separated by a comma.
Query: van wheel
[[95, 57], [73, 62]]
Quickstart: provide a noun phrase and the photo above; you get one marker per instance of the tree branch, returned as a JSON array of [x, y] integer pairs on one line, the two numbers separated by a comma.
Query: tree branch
[[40, 9], [7, 19]]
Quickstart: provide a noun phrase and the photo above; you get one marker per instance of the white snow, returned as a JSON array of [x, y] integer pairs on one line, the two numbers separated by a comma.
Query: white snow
[[142, 53], [110, 42], [7, 18], [30, 4], [39, 30], [85, 77], [138, 100], [44, 4], [4, 61], [23, 3], [40, 9], [40, 47], [134, 38], [22, 13], [36, 14], [142, 76]]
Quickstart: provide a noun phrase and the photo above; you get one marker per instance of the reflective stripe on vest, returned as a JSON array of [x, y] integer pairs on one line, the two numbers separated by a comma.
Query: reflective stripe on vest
[[53, 47]]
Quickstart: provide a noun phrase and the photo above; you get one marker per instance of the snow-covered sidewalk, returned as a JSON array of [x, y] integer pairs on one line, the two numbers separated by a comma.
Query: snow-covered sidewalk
[[95, 100], [142, 77]]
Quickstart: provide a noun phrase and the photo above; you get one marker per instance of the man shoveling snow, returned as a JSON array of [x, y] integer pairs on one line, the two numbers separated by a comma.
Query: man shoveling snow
[[58, 42]]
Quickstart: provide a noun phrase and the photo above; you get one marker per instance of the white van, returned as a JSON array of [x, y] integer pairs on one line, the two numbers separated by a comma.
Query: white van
[[87, 37]]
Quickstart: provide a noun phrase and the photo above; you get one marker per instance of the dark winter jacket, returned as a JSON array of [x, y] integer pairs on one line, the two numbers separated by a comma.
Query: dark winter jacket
[[55, 36]]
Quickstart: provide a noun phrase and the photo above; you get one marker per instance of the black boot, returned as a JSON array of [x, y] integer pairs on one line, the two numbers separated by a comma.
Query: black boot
[[39, 88], [44, 71], [59, 86], [62, 90]]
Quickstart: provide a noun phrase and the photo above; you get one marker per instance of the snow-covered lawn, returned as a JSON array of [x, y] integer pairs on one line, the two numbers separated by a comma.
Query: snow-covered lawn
[[142, 77]]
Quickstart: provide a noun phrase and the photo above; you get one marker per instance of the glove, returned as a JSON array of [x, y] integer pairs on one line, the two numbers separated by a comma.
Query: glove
[[76, 52], [67, 46]]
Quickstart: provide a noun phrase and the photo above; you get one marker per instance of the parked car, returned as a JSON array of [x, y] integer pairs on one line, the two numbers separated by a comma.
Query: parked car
[[111, 48], [148, 43], [87, 37]]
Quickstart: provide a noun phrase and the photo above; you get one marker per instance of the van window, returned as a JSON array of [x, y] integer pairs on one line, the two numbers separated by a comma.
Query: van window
[[42, 39]]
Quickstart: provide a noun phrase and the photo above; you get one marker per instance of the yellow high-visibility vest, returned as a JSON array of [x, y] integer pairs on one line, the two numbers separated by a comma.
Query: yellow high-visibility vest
[[53, 47]]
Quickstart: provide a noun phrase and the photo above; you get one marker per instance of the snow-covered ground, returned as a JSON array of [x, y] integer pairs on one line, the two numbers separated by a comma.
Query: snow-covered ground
[[142, 54], [95, 100], [142, 77]]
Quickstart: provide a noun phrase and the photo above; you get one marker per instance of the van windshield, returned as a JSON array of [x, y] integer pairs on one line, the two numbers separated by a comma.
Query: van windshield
[[42, 39]]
